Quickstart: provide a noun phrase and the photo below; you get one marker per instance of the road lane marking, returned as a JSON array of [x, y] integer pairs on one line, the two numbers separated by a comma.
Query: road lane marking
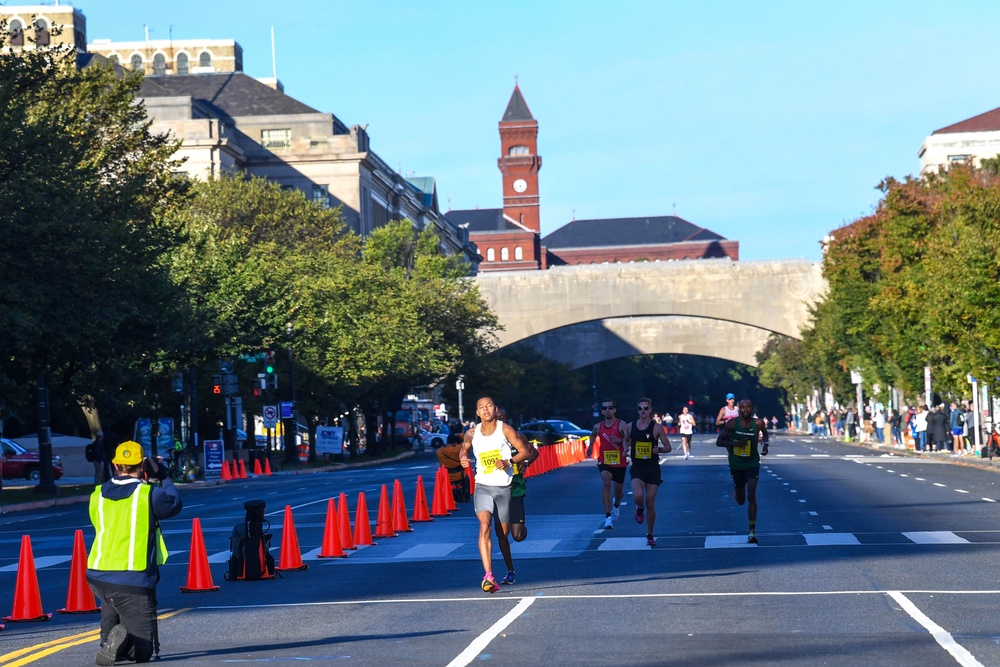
[[940, 635], [727, 542], [483, 640], [935, 537], [430, 550], [827, 539], [939, 484], [40, 562], [960, 491], [989, 500]]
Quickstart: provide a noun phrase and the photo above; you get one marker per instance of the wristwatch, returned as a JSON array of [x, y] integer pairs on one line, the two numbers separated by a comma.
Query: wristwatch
[[511, 462]]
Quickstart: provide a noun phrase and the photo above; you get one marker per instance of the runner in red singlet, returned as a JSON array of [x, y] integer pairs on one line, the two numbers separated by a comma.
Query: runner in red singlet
[[608, 438]]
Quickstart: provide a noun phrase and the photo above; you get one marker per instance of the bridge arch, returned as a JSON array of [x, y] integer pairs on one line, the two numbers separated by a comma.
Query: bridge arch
[[718, 308]]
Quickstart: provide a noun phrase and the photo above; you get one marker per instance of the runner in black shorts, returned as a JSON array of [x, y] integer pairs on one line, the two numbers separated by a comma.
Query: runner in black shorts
[[740, 437], [608, 436], [647, 441]]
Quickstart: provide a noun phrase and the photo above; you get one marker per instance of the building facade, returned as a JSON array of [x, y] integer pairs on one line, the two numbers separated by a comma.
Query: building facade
[[509, 238], [32, 26], [164, 57], [967, 141]]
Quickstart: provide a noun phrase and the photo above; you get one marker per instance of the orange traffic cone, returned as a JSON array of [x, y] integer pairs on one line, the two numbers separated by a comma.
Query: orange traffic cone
[[383, 523], [27, 597], [472, 481], [199, 573], [225, 470], [344, 525], [256, 467], [438, 506], [79, 598], [400, 523], [267, 466], [362, 527], [331, 534], [420, 512], [243, 469], [291, 556]]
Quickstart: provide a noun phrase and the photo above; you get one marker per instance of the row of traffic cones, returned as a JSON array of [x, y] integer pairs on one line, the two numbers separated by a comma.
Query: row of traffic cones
[[558, 455], [337, 537], [239, 469]]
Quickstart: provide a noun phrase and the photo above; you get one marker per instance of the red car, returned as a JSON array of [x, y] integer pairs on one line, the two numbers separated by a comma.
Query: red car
[[19, 463]]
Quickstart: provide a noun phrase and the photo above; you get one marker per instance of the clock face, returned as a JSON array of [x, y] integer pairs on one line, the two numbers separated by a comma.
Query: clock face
[[520, 185]]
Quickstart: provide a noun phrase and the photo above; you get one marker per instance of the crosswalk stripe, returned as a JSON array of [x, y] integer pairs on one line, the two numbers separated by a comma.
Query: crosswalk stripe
[[826, 539], [40, 562], [935, 537]]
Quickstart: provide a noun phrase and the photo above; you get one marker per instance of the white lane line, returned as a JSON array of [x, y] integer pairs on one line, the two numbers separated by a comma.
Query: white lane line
[[786, 456], [473, 650], [903, 475], [960, 491], [430, 550], [727, 542], [792, 491], [814, 513], [827, 527], [989, 500], [40, 562], [940, 635], [939, 484], [623, 544], [825, 539], [920, 479], [820, 456], [935, 537]]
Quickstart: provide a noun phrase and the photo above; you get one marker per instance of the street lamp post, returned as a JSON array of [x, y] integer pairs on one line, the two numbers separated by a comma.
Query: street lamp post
[[291, 451]]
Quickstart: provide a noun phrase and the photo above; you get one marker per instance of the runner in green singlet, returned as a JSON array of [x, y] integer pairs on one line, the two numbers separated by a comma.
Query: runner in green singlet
[[741, 436]]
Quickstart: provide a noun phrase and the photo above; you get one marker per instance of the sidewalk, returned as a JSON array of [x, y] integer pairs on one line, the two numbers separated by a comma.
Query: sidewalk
[[972, 459], [70, 500]]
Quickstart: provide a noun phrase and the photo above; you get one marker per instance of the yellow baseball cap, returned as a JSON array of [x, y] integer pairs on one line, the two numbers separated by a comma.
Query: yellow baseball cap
[[129, 453]]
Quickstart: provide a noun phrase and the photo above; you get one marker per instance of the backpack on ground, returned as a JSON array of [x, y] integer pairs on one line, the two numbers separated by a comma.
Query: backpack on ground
[[250, 556]]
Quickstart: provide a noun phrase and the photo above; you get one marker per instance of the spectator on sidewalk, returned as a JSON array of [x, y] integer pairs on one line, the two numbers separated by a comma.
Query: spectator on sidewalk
[[920, 429], [937, 429], [879, 425], [895, 423], [851, 423]]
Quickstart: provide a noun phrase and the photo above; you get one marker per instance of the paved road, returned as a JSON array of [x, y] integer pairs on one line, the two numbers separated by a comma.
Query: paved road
[[865, 558]]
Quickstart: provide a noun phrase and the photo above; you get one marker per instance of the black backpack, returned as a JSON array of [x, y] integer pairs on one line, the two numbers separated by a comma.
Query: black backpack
[[250, 556], [89, 452]]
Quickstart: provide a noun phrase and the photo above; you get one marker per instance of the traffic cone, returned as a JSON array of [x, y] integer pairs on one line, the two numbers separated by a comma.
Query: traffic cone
[[362, 527], [331, 534], [27, 597], [199, 573], [472, 481], [291, 557], [383, 523], [225, 470], [243, 469], [399, 521], [438, 507], [79, 598], [420, 512], [344, 525], [267, 466], [256, 467]]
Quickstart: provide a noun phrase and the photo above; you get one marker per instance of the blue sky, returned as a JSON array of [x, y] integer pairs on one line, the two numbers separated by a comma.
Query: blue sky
[[770, 123]]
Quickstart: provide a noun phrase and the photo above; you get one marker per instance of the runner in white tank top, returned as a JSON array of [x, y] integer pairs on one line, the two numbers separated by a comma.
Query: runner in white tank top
[[728, 411]]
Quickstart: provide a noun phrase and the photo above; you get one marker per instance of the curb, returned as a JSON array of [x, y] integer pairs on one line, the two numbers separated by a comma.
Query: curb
[[72, 500]]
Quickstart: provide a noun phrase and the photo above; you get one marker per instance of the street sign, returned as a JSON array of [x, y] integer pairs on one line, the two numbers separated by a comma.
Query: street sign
[[329, 440], [287, 410], [165, 437], [270, 416], [214, 455]]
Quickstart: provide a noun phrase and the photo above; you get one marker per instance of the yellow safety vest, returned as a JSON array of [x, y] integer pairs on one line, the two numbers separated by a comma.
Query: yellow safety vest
[[122, 540]]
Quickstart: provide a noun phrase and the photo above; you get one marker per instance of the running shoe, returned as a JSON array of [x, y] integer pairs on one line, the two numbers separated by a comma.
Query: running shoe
[[650, 541], [490, 584], [752, 539], [640, 514], [615, 512], [687, 456], [608, 523], [509, 579]]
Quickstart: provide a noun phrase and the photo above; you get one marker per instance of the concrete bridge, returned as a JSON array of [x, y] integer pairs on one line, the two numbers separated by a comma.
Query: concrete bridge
[[717, 308]]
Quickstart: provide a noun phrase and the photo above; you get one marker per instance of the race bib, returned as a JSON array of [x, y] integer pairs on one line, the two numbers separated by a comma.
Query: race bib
[[643, 450], [488, 460], [612, 457], [742, 450]]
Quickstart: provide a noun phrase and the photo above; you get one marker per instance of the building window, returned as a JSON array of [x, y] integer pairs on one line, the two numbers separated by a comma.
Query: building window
[[182, 63], [136, 62], [518, 253], [490, 255], [321, 195], [16, 29], [959, 159], [518, 150], [205, 59], [504, 254], [159, 64], [272, 139], [41, 32]]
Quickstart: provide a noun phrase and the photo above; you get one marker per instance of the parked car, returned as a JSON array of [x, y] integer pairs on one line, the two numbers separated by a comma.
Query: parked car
[[19, 463], [435, 440], [549, 431]]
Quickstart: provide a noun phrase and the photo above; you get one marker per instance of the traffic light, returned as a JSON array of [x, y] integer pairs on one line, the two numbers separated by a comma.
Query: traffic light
[[259, 384], [230, 385], [269, 364], [271, 381], [256, 391], [217, 384]]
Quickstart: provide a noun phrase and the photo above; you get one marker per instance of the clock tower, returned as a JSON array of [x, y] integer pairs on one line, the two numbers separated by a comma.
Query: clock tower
[[519, 163]]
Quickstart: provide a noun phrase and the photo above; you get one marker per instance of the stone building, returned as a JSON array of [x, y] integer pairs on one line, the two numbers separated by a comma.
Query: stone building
[[970, 140], [31, 26], [163, 57]]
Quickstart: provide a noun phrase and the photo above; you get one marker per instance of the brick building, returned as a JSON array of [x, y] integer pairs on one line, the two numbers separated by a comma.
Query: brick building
[[509, 238]]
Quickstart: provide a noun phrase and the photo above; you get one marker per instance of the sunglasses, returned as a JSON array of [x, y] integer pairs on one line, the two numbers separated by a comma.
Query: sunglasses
[[607, 407], [643, 407]]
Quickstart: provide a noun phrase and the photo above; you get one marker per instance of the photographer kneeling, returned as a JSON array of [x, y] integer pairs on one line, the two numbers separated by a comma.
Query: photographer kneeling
[[123, 566]]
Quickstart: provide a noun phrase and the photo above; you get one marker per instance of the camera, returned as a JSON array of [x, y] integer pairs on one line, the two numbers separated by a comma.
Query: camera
[[147, 469]]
